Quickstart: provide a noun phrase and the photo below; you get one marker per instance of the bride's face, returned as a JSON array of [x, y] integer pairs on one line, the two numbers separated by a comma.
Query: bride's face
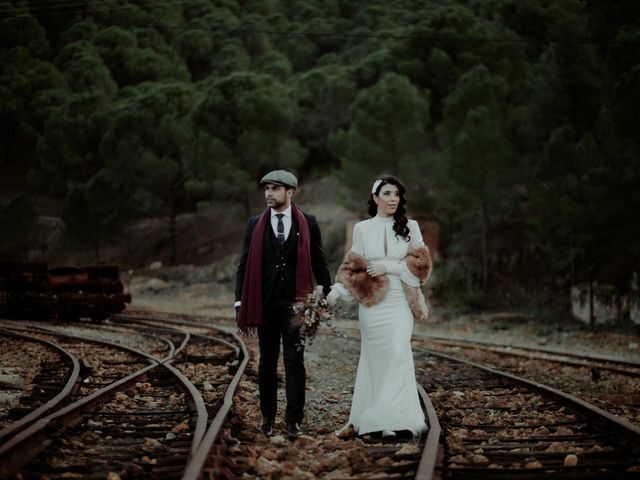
[[387, 200]]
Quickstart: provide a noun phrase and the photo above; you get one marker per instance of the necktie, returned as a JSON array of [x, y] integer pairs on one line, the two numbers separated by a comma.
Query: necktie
[[280, 228]]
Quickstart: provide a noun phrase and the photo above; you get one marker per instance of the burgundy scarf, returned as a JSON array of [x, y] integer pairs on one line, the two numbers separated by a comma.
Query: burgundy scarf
[[251, 308]]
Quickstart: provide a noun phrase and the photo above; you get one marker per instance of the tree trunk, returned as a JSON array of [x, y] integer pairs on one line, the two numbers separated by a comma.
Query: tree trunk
[[10, 130], [572, 268], [247, 205], [592, 317], [471, 287], [173, 236], [485, 248]]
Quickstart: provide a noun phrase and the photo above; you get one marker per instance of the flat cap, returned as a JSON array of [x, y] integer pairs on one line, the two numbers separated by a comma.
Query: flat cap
[[280, 177]]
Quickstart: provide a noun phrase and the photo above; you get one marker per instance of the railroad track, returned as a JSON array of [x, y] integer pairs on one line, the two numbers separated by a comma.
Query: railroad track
[[457, 459], [596, 442], [498, 425], [53, 380], [107, 368], [95, 364], [611, 384], [200, 351], [144, 416], [600, 362], [622, 366], [158, 342], [151, 423]]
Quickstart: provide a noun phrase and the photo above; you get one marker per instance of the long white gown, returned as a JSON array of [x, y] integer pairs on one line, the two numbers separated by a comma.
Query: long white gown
[[385, 394]]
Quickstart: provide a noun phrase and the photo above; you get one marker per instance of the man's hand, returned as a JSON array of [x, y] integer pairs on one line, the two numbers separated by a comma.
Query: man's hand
[[376, 269], [237, 313]]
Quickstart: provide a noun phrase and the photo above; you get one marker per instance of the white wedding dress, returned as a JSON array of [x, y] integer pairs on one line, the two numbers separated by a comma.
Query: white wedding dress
[[385, 395]]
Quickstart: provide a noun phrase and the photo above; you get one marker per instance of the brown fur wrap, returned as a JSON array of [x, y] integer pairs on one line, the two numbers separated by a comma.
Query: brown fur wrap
[[417, 303], [418, 261], [370, 291], [365, 289]]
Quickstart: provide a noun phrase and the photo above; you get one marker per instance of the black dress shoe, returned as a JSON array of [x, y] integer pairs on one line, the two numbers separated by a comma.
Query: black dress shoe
[[293, 430], [267, 427]]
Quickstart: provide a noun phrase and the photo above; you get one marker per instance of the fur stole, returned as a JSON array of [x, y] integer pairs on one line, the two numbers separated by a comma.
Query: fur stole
[[419, 263], [365, 289], [370, 291]]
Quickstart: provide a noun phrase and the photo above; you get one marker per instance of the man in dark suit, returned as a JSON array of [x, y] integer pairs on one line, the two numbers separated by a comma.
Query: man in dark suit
[[282, 250]]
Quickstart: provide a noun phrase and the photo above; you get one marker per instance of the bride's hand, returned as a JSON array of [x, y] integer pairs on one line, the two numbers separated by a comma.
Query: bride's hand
[[332, 297], [376, 269]]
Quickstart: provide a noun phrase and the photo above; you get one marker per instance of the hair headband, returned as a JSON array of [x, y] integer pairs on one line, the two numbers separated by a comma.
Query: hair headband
[[376, 184]]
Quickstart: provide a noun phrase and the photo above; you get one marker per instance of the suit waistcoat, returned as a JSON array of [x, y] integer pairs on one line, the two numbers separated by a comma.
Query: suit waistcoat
[[279, 266]]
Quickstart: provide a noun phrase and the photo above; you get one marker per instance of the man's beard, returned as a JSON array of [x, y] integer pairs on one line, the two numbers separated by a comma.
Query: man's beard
[[276, 203]]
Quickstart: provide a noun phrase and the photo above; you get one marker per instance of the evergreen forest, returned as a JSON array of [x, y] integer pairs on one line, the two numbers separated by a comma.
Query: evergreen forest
[[511, 121]]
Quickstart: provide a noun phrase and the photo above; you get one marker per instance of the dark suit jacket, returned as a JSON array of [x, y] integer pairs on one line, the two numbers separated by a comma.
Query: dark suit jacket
[[318, 262]]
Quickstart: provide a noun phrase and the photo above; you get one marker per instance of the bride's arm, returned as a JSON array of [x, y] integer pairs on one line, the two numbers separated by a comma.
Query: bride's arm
[[418, 263], [338, 290], [401, 268]]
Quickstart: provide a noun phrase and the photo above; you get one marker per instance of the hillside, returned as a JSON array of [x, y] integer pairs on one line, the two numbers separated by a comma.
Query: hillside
[[141, 129]]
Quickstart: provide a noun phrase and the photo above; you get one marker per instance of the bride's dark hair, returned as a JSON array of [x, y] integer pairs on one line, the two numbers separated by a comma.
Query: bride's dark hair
[[400, 224]]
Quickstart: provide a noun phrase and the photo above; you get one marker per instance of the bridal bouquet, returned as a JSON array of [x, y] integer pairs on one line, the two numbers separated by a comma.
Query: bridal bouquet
[[309, 312]]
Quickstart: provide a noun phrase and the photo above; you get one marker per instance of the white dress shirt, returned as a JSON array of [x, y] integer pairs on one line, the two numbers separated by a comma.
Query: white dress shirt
[[286, 220]]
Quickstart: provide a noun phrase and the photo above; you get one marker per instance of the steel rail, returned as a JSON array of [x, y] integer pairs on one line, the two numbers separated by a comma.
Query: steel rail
[[585, 356], [26, 446], [198, 402], [198, 460], [171, 346], [118, 330], [173, 350], [73, 336], [216, 424], [431, 449], [184, 323], [494, 347], [139, 325], [36, 437], [628, 430], [573, 363], [185, 340], [54, 402], [145, 321]]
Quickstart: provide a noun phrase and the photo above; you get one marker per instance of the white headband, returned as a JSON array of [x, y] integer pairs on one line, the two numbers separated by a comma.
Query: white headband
[[376, 184]]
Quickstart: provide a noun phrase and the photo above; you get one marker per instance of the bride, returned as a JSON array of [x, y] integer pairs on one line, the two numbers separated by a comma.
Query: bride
[[383, 271]]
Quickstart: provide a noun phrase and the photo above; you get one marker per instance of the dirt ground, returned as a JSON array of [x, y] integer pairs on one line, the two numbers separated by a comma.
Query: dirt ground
[[331, 363], [215, 300]]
